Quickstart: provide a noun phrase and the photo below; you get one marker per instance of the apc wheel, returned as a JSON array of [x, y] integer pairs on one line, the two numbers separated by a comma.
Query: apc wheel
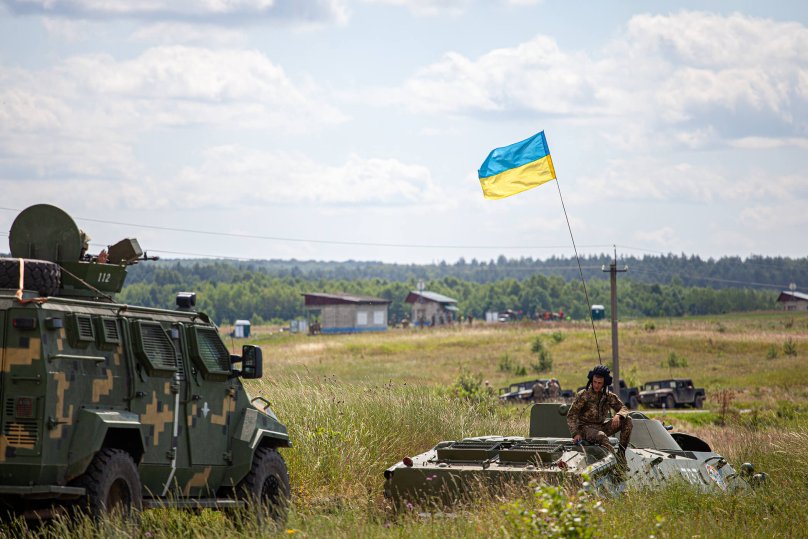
[[267, 485], [670, 404], [113, 485], [633, 404], [39, 275]]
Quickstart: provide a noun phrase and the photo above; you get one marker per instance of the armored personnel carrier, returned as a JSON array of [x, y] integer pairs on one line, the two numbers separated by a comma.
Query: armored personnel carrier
[[117, 407], [453, 471]]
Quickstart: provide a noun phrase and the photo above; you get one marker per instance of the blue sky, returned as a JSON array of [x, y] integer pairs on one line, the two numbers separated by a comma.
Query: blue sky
[[355, 127]]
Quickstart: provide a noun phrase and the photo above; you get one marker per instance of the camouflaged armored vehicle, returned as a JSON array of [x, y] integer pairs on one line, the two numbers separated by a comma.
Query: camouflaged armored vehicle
[[112, 406], [455, 471]]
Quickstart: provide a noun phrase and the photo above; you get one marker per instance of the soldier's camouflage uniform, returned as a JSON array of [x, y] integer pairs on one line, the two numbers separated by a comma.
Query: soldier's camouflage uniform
[[538, 392], [589, 417]]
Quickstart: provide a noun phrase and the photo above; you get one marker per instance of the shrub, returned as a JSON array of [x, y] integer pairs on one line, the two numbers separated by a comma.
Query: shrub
[[553, 513], [675, 361], [544, 361], [557, 336], [506, 364], [771, 353], [469, 386], [649, 326], [537, 346], [790, 347]]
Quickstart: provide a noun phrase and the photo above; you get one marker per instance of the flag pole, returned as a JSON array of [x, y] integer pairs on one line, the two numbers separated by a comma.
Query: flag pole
[[580, 271]]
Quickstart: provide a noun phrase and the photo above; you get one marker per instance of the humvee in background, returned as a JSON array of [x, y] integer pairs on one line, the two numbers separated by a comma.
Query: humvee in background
[[672, 393]]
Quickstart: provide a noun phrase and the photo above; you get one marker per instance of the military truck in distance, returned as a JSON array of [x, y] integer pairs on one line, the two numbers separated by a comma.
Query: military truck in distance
[[522, 392], [629, 395], [118, 407], [672, 393]]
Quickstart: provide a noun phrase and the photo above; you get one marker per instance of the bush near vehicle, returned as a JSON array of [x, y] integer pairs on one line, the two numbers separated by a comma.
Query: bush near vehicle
[[672, 393]]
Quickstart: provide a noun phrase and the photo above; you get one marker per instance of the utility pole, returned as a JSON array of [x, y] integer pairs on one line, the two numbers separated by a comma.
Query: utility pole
[[613, 271]]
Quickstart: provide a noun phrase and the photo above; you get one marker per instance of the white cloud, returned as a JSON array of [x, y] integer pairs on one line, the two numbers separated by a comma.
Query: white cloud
[[696, 77], [658, 180], [662, 238], [431, 8], [213, 11], [535, 76], [779, 219], [227, 173], [168, 33], [82, 116], [427, 7], [229, 177]]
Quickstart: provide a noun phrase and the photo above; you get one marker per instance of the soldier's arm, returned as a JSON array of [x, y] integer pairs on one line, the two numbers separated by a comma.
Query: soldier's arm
[[572, 415], [617, 405]]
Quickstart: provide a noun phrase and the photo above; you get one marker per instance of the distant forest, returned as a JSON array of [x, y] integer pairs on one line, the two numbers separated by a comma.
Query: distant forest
[[664, 285]]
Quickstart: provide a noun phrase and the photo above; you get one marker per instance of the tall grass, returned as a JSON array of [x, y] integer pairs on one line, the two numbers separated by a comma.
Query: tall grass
[[355, 405]]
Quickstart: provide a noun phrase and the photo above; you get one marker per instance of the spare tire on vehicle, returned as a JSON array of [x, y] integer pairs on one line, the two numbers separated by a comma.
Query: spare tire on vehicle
[[38, 275]]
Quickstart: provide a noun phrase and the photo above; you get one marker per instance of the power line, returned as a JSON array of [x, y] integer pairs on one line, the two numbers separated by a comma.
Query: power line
[[320, 241]]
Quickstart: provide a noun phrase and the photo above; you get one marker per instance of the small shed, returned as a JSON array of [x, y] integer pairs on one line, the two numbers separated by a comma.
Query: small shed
[[345, 313], [793, 301], [598, 312], [431, 308], [241, 329]]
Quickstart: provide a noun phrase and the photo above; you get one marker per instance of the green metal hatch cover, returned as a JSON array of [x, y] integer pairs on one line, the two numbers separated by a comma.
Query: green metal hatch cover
[[45, 232]]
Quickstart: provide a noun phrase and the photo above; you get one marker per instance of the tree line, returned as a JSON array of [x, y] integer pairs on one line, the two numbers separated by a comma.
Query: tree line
[[234, 290]]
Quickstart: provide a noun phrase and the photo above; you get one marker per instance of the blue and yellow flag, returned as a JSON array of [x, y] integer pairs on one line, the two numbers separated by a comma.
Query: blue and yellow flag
[[516, 168]]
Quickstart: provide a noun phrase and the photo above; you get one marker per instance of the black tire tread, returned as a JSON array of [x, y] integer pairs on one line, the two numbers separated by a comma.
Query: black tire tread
[[105, 460], [265, 462], [39, 275]]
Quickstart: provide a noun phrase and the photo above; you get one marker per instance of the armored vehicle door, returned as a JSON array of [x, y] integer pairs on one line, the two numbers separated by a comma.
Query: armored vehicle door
[[155, 387], [210, 410]]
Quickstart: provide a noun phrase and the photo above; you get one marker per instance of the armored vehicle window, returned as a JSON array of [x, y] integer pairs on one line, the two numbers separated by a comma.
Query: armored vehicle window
[[81, 330], [209, 352], [154, 347]]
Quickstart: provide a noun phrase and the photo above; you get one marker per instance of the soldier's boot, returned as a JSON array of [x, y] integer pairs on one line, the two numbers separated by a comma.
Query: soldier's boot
[[621, 471]]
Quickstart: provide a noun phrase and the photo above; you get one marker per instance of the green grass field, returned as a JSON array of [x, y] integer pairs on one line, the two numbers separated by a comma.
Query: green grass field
[[356, 404]]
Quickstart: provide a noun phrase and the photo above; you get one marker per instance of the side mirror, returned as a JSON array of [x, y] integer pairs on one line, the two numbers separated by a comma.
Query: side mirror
[[252, 360]]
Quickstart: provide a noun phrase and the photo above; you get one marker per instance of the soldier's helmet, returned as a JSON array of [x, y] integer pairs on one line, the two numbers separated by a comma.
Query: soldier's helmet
[[600, 370]]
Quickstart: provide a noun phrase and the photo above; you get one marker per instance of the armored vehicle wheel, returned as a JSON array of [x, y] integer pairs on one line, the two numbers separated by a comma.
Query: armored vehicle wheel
[[39, 275], [267, 484], [670, 404], [113, 484]]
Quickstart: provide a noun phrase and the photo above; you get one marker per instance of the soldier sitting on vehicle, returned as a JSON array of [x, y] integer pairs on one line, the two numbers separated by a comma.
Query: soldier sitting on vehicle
[[588, 417]]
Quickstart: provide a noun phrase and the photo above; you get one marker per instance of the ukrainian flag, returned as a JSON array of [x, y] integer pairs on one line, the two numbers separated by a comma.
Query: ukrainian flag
[[516, 168]]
